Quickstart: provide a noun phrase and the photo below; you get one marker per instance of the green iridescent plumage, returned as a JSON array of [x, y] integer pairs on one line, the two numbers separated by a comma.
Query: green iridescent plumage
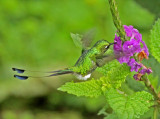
[[87, 62], [85, 65]]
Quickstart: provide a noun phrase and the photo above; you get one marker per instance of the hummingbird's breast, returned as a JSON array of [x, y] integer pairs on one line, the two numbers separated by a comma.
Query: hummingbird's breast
[[82, 77], [85, 64]]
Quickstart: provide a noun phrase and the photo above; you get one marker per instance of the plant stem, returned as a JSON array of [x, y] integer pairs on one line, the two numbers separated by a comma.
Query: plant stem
[[116, 20], [150, 88], [121, 32], [154, 93], [155, 112]]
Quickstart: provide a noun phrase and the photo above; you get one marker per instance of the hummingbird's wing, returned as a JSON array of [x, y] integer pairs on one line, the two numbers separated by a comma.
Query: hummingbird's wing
[[84, 41], [77, 39], [101, 61], [88, 38]]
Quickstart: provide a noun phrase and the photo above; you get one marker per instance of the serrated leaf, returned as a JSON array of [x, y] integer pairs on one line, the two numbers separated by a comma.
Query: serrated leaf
[[119, 73], [155, 40], [95, 88], [129, 107], [115, 77], [107, 67], [90, 88]]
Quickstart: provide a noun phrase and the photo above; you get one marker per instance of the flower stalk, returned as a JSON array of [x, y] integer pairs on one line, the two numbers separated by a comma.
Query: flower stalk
[[124, 34], [116, 20], [150, 87], [155, 113]]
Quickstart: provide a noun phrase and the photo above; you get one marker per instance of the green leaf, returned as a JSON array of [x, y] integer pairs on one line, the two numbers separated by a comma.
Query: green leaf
[[95, 88], [90, 88], [154, 80], [155, 40], [106, 111], [115, 77], [129, 107], [111, 116], [103, 110], [104, 69]]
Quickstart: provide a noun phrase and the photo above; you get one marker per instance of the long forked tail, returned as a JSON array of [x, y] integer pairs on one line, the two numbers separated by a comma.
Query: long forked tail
[[52, 73]]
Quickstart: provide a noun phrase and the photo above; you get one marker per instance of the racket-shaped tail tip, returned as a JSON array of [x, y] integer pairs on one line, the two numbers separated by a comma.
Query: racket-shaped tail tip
[[21, 77], [18, 70]]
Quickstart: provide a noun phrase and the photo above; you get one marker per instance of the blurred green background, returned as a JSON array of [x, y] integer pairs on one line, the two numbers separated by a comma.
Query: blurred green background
[[35, 34]]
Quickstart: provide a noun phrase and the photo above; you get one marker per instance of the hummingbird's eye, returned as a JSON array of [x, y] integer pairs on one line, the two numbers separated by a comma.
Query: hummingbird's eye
[[107, 46]]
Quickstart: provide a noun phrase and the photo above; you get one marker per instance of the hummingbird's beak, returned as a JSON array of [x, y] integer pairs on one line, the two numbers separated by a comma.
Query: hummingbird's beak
[[112, 43]]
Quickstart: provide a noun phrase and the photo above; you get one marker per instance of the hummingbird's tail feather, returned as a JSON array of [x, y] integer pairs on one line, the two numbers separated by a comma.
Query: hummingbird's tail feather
[[21, 77], [26, 77], [23, 70], [54, 73], [61, 72], [18, 70]]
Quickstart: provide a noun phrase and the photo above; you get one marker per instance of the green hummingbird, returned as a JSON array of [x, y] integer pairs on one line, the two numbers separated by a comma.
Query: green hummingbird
[[90, 59], [85, 65]]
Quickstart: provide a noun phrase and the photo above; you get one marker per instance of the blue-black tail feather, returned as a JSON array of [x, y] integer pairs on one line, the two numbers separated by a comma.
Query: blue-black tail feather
[[18, 70], [23, 70], [21, 77], [55, 73]]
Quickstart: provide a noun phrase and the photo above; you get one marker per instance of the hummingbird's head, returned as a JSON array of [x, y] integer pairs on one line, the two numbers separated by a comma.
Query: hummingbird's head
[[102, 46]]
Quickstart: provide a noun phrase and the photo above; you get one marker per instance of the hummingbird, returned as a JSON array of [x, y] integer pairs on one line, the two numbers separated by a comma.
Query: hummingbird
[[90, 59], [85, 65]]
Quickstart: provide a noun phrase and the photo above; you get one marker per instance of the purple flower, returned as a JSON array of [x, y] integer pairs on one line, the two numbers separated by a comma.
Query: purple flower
[[148, 71], [141, 73], [123, 58], [145, 49], [118, 44], [124, 51], [131, 47], [137, 76], [132, 33], [138, 36], [128, 30], [134, 65]]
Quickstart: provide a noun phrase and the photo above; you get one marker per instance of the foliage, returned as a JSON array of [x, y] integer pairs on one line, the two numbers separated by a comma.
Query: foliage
[[90, 88], [155, 39], [36, 35], [123, 106], [129, 107], [95, 88], [107, 67]]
